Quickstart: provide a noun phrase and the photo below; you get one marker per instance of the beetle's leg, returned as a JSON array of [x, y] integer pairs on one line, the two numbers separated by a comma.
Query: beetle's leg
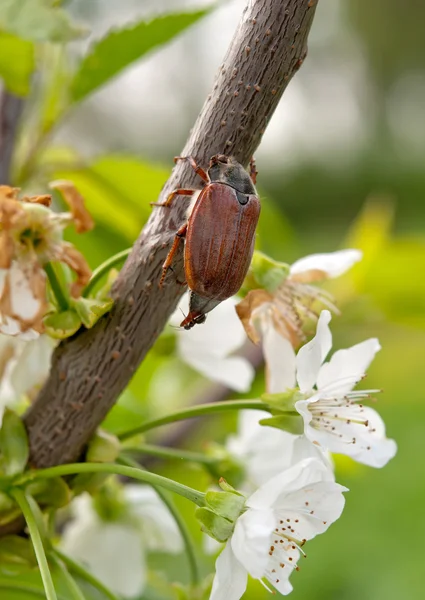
[[179, 192], [178, 237], [198, 170], [253, 170]]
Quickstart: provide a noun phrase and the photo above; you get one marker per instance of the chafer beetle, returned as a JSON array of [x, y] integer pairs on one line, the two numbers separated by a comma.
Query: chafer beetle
[[219, 234]]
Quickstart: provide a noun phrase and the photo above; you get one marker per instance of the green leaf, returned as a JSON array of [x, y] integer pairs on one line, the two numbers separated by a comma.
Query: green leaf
[[14, 443], [120, 48], [16, 63], [117, 191], [37, 20]]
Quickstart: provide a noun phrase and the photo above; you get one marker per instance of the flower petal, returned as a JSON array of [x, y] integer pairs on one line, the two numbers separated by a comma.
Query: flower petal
[[330, 264], [111, 551], [311, 509], [307, 471], [230, 579], [158, 528], [311, 355], [206, 348], [251, 540], [280, 361], [33, 365], [267, 451], [357, 431], [346, 367]]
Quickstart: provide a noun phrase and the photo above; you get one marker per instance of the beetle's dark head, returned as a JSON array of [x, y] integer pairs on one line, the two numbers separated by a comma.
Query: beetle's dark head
[[226, 169], [193, 319]]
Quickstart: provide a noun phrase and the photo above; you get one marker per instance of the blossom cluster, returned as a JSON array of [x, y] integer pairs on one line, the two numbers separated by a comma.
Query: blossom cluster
[[290, 476]]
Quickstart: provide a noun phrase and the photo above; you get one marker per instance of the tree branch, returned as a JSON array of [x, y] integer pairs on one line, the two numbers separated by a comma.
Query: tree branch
[[90, 370], [10, 112]]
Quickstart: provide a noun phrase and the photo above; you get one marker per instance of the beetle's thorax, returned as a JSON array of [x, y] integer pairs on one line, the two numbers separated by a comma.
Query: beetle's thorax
[[224, 169]]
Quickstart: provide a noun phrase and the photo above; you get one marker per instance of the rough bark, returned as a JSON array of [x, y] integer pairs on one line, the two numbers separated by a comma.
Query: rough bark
[[90, 370], [10, 111]]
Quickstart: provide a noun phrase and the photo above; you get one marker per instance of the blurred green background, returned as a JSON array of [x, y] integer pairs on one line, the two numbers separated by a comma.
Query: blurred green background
[[341, 165]]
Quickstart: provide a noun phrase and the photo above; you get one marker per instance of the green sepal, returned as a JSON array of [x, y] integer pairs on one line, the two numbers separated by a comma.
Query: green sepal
[[283, 401], [17, 550], [90, 310], [13, 443], [225, 504], [62, 325], [292, 424], [214, 525], [265, 273], [103, 447], [52, 492]]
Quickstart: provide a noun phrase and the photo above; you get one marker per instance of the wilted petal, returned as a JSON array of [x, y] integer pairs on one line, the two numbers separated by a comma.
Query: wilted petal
[[347, 367], [320, 266], [311, 355], [76, 261], [82, 218], [280, 361], [251, 540], [231, 577], [158, 528], [249, 309]]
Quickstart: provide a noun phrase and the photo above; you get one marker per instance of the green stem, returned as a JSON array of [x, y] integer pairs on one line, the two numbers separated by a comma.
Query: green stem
[[114, 469], [56, 287], [85, 575], [184, 532], [23, 502], [104, 268], [172, 453], [194, 411], [75, 592], [26, 588]]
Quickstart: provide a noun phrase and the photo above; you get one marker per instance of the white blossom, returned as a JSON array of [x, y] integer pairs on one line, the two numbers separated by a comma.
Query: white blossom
[[114, 551], [267, 451], [334, 419], [208, 348], [280, 517]]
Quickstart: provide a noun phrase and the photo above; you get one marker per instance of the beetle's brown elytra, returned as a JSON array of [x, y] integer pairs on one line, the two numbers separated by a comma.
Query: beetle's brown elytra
[[219, 234]]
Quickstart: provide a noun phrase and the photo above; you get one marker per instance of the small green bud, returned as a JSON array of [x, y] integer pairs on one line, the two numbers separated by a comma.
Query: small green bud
[[104, 447], [109, 501], [9, 510], [13, 443]]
